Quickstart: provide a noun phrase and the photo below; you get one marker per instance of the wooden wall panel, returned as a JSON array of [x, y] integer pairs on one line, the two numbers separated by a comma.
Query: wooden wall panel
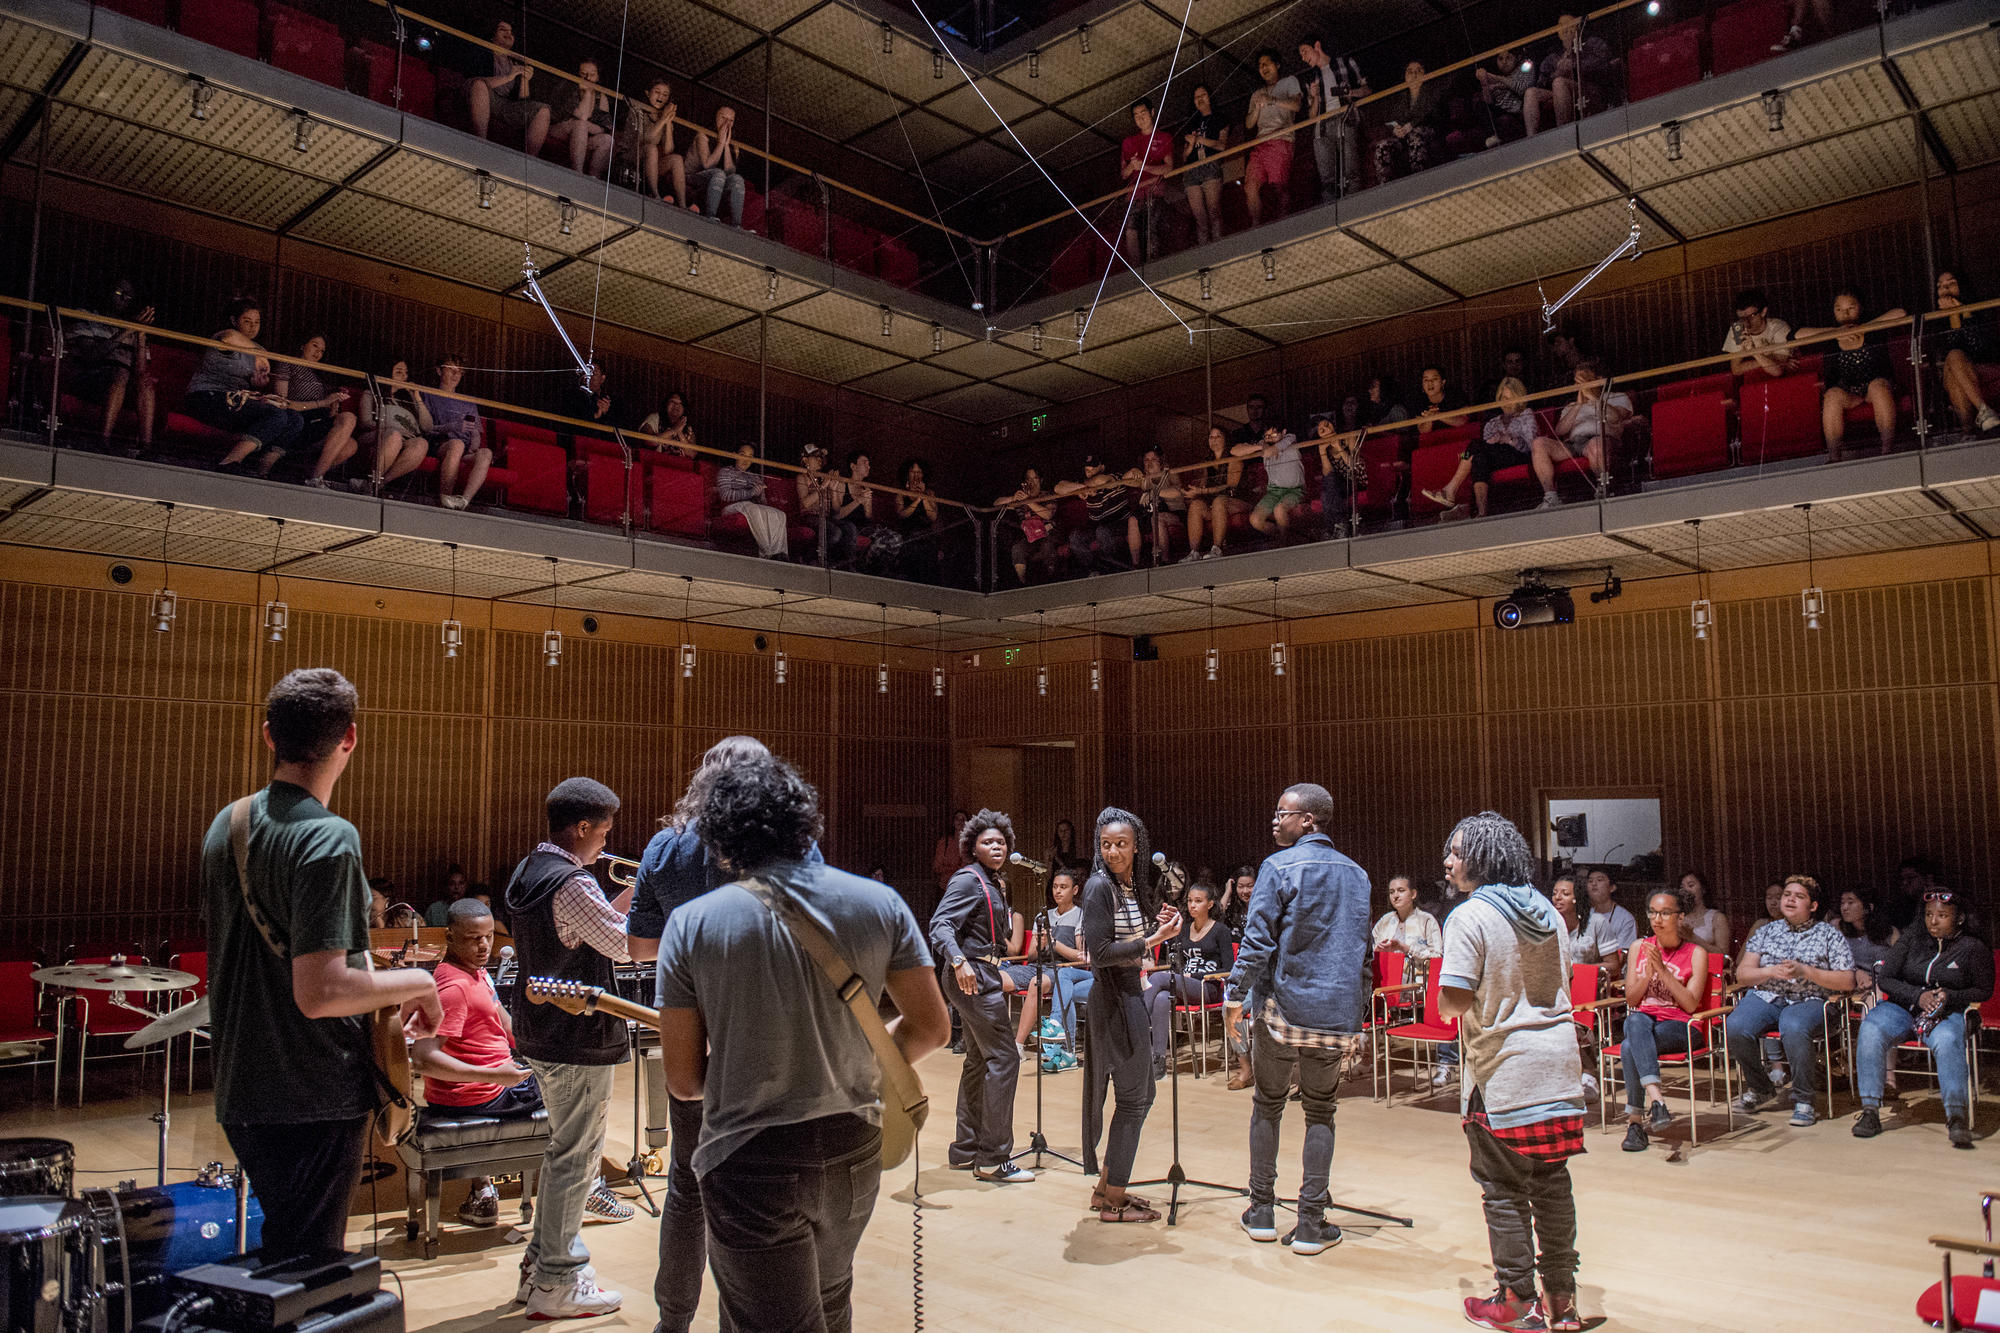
[[1394, 798], [599, 680], [1638, 658], [1001, 703], [1413, 675], [67, 640], [1901, 637]]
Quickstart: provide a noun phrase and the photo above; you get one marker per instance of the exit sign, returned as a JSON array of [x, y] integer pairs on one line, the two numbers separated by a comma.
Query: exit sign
[[1013, 656], [1038, 421]]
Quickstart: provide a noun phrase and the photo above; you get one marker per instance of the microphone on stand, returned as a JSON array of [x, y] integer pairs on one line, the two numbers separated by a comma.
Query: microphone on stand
[[1038, 867], [506, 962]]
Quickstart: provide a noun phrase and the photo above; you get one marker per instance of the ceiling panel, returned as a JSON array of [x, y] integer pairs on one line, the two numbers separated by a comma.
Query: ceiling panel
[[1786, 523], [125, 526], [1048, 134], [149, 163], [975, 164], [848, 40], [417, 239], [910, 380], [1056, 382], [1824, 173], [837, 312], [1735, 133], [452, 191], [962, 104], [678, 596], [1108, 105], [1151, 355], [1951, 69], [637, 302], [14, 104], [1299, 264], [1553, 245], [1307, 312], [1970, 130], [29, 55], [807, 351], [983, 360], [981, 402], [1508, 201], [692, 38], [928, 134], [722, 278], [1122, 316]]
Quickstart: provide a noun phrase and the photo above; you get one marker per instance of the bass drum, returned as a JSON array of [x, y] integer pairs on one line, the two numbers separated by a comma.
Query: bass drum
[[51, 1270], [45, 1168], [148, 1235]]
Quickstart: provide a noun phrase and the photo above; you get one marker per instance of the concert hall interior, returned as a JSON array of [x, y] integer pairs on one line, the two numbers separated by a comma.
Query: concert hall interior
[[1002, 413]]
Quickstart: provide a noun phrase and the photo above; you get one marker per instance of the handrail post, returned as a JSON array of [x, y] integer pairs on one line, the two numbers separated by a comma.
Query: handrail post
[[822, 516], [625, 447], [54, 418], [1919, 406]]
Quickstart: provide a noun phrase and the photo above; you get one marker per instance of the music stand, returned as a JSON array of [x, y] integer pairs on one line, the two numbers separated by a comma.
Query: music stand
[[1177, 1177]]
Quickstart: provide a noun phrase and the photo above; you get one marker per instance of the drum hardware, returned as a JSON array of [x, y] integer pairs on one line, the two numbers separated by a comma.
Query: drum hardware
[[36, 1166]]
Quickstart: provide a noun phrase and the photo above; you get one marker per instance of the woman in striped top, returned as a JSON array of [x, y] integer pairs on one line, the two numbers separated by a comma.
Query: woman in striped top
[[1119, 902]]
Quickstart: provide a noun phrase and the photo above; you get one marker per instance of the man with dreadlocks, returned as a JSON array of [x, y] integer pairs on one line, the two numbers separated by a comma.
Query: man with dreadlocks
[[1505, 977], [1118, 900]]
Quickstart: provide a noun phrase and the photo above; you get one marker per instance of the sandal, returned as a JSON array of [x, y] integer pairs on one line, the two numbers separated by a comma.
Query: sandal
[[1442, 499], [1132, 1211], [1098, 1204]]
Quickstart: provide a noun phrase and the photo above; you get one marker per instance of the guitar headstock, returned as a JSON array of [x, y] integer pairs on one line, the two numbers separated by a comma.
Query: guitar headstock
[[570, 996]]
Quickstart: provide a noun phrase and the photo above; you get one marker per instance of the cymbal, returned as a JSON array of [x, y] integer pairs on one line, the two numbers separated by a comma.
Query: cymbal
[[174, 1023], [115, 976]]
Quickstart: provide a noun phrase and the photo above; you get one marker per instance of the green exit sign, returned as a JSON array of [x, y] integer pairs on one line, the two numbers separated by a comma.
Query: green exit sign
[[1013, 656], [1038, 421]]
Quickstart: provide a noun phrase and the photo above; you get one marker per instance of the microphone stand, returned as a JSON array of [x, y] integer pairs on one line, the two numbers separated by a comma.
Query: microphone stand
[[635, 1170], [1038, 1143]]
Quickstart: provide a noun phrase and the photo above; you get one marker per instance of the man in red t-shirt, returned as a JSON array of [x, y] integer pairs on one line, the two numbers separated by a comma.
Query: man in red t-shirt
[[468, 1067], [1144, 159]]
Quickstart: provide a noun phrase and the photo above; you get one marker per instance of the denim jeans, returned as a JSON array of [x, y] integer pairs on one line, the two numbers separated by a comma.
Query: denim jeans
[[683, 1233], [1639, 1054], [1319, 1082], [1100, 545], [577, 1097], [711, 185], [1337, 154], [987, 1080], [1072, 990], [1529, 1208], [785, 1212], [1797, 1021], [1887, 1026]]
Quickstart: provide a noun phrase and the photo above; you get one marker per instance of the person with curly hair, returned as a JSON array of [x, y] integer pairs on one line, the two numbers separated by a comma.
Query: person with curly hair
[[1119, 899], [1666, 980], [970, 932]]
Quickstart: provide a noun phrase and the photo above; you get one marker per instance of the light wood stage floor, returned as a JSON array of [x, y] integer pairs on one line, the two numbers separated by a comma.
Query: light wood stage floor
[[1771, 1228]]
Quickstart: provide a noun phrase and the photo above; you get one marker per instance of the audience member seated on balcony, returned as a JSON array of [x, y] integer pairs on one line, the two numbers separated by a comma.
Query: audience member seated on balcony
[[1507, 440], [1334, 84], [1574, 77], [229, 391], [1108, 518], [583, 120], [1407, 928], [1415, 114], [646, 139], [1215, 493], [1440, 405], [1791, 966], [1959, 344], [1341, 472], [819, 498], [1513, 365], [715, 175], [1385, 404], [101, 361], [1795, 35], [1928, 981], [395, 422], [1284, 481], [1753, 332], [1666, 981], [1204, 953], [1350, 414], [1203, 136], [1870, 935], [1273, 107], [1584, 425], [1856, 370], [1031, 520], [458, 434], [1503, 87], [328, 423], [917, 522], [1708, 926], [741, 491], [1162, 499], [1569, 349], [600, 404], [1145, 158], [670, 425], [502, 95]]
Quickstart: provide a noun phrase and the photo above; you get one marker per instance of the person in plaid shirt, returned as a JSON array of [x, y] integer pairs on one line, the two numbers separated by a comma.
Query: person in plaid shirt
[[1791, 966], [1506, 970]]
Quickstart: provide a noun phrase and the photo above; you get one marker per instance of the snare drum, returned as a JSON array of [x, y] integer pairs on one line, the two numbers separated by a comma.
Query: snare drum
[[42, 1167], [51, 1272]]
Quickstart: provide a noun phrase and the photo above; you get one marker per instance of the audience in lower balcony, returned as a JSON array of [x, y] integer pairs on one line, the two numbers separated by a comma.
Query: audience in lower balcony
[[1960, 344], [1503, 89], [1513, 365], [1506, 440], [328, 422], [458, 434], [102, 360], [715, 179], [1856, 371], [1590, 427], [1415, 115], [583, 120], [819, 498], [1109, 520], [741, 491], [501, 95], [1751, 338], [1574, 78], [670, 428], [230, 391], [917, 520], [395, 423], [1273, 107], [1284, 481], [1031, 521], [646, 139], [1342, 474], [1217, 494], [1163, 500], [1203, 136]]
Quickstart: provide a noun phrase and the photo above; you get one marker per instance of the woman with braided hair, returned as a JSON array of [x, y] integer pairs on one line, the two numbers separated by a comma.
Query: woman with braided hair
[[1119, 901]]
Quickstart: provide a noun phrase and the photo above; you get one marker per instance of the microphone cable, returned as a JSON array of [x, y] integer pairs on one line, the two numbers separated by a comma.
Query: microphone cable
[[916, 1240]]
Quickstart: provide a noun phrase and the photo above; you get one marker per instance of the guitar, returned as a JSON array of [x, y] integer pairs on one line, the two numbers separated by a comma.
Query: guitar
[[575, 997]]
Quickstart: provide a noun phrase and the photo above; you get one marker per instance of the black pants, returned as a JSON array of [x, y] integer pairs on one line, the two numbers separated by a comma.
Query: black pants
[[987, 1082], [302, 1175], [1529, 1206], [785, 1212], [1119, 1055], [683, 1234], [1273, 1063]]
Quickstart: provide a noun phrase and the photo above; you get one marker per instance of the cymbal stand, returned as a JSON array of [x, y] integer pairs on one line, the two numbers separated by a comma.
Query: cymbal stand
[[635, 1169]]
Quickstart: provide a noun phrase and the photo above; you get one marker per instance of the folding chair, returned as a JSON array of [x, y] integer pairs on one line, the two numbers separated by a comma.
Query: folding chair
[[1426, 1035]]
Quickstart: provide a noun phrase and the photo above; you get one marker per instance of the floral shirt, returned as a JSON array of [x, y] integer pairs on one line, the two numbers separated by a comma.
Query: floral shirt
[[1819, 945]]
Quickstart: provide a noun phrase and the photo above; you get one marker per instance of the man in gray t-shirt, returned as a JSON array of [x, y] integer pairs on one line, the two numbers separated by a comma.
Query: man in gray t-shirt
[[790, 1087], [1284, 481]]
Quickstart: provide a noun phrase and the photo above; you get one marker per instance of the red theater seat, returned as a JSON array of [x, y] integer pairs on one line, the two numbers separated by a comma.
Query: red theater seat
[[754, 209], [1690, 434], [229, 24], [1780, 417], [1668, 59], [1743, 33], [853, 245], [371, 69], [680, 500], [1435, 460], [172, 367], [896, 262], [306, 44], [798, 224], [540, 466]]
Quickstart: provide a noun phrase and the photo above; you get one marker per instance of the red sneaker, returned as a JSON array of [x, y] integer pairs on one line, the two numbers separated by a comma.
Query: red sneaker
[[1505, 1310], [1560, 1310]]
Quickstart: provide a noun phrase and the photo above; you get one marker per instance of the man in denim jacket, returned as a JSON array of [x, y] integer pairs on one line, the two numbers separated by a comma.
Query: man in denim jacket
[[1300, 967]]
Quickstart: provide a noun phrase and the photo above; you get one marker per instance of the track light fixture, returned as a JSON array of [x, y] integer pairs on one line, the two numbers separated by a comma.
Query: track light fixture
[[552, 640], [165, 604], [1277, 635], [687, 633], [937, 337], [888, 40], [778, 658], [770, 283], [1082, 323], [1212, 660], [1034, 64], [1673, 129], [937, 657], [200, 93], [1096, 662], [1083, 38], [1035, 336], [888, 321], [1812, 598], [1041, 661], [694, 259], [1774, 109], [882, 652], [452, 633], [277, 616], [1270, 265], [937, 63], [1207, 285], [303, 126], [485, 180], [566, 215]]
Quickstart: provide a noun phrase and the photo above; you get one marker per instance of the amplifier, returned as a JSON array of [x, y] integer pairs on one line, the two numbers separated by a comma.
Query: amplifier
[[252, 1295], [374, 1312]]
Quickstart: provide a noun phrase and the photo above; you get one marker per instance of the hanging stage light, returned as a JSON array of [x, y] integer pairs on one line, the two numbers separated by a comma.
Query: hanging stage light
[[1035, 336], [888, 321], [552, 640], [778, 659], [1812, 598], [165, 603], [277, 616], [770, 283], [1034, 64], [486, 186], [937, 658], [687, 633], [937, 337], [566, 212], [937, 63], [1673, 129], [303, 126], [1774, 109], [1277, 634], [882, 652], [694, 259], [1083, 38], [200, 93], [1082, 323], [1702, 613], [1213, 658], [1096, 662], [1207, 285], [1270, 265], [888, 40], [453, 633]]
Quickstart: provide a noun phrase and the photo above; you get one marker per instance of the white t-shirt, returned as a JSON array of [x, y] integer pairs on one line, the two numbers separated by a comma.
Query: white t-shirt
[[1739, 342], [1272, 117]]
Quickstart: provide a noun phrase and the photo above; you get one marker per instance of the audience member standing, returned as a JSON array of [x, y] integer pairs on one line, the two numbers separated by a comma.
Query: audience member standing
[[1273, 107], [1284, 481], [716, 177], [104, 362], [1333, 84], [1203, 136]]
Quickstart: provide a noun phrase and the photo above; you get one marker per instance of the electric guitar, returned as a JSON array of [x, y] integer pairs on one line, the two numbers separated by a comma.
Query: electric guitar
[[577, 998]]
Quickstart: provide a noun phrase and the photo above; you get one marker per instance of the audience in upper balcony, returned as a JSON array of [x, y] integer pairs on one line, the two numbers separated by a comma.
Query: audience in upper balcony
[[328, 422], [1284, 481], [1144, 158], [1513, 365], [1959, 344], [396, 423], [819, 500], [1575, 76], [501, 95], [1333, 84], [1031, 517], [1441, 403], [1590, 425], [1384, 404], [1503, 89], [917, 519], [857, 497], [1273, 107], [647, 135], [1341, 475], [600, 404], [1753, 333], [584, 121], [1203, 135], [1506, 440], [1567, 348], [458, 435], [1795, 34], [1415, 114], [1217, 493], [1109, 518], [741, 491], [1791, 966], [1856, 370], [715, 176], [670, 425], [229, 391], [1162, 499], [102, 361]]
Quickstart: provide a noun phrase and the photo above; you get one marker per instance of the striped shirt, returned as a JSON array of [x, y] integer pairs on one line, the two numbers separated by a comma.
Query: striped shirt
[[1127, 923]]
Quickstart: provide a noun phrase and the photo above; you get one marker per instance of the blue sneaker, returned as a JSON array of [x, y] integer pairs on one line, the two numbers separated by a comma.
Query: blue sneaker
[[1055, 1060], [1051, 1030]]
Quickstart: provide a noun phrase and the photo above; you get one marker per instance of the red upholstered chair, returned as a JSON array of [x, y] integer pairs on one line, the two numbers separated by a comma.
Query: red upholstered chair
[[798, 224], [755, 210], [896, 262], [172, 366], [612, 491], [1965, 1301], [229, 24], [1390, 994], [92, 1014], [680, 500], [1423, 1037], [1379, 454], [1691, 425], [307, 44], [854, 244], [20, 1016], [1705, 1044], [1435, 460], [1780, 417], [539, 466], [1665, 60], [1742, 34]]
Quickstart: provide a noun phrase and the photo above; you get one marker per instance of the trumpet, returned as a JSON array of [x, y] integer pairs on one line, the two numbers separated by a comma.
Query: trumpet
[[624, 871]]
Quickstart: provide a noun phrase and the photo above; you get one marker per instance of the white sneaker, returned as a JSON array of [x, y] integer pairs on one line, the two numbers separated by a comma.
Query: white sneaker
[[1988, 419], [1009, 1173], [1590, 1087], [580, 1299], [526, 1286], [1550, 500], [1213, 553], [1441, 1076], [1194, 554]]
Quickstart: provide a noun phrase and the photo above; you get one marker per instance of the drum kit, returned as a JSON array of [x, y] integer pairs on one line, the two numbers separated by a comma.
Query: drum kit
[[121, 978], [99, 1260]]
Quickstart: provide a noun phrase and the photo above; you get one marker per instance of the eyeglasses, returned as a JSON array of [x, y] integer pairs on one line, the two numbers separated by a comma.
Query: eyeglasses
[[1940, 896], [1658, 912], [1280, 814]]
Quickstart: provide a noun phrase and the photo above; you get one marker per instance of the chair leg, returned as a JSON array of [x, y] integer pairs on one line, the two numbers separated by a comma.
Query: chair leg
[[433, 1189], [413, 1201], [531, 1181]]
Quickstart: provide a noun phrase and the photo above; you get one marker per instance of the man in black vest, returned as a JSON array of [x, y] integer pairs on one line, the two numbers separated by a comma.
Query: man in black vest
[[564, 928]]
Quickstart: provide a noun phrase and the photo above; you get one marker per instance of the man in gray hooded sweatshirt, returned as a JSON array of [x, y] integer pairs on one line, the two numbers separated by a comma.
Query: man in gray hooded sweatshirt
[[1506, 972]]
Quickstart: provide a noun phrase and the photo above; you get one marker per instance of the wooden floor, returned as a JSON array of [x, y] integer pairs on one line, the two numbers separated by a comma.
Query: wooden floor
[[1770, 1228]]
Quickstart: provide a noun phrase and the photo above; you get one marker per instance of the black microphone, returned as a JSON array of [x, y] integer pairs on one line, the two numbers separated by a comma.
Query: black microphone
[[1038, 867]]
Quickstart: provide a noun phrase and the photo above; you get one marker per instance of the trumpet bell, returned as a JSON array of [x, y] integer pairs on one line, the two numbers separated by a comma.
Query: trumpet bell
[[621, 870]]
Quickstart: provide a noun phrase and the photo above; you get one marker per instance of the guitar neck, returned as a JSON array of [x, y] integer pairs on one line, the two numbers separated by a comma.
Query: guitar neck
[[618, 1007]]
